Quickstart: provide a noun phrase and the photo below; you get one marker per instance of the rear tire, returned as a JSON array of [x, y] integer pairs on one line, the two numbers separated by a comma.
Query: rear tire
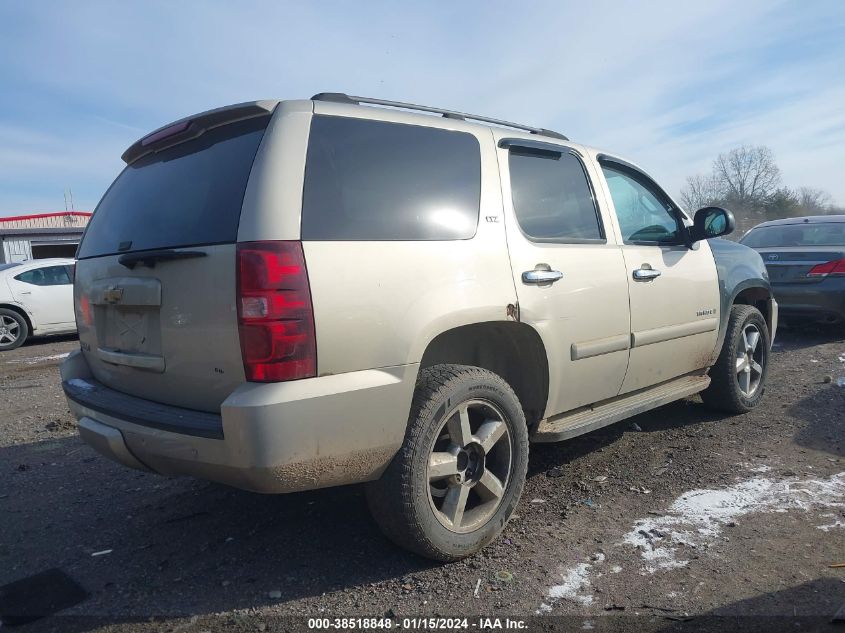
[[738, 378], [13, 329], [460, 472]]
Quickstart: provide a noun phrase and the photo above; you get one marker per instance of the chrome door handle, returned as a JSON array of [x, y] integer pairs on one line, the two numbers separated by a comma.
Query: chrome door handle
[[541, 276], [645, 274], [26, 292]]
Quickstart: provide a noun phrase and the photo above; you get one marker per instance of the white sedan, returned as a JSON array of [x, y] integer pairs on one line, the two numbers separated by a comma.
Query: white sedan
[[36, 298]]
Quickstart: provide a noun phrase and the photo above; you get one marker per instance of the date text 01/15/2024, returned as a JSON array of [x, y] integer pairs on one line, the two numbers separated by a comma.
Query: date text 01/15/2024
[[417, 624]]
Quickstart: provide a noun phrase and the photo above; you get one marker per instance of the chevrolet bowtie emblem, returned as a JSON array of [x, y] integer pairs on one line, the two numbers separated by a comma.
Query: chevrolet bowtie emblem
[[113, 294]]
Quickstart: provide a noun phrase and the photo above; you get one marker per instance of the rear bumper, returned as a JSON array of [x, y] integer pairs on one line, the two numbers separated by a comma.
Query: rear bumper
[[823, 301], [279, 437]]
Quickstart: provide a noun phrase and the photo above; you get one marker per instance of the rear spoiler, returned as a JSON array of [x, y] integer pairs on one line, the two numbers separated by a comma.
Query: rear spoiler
[[195, 125]]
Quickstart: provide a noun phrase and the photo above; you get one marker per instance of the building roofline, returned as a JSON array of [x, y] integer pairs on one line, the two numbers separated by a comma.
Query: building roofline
[[35, 216], [42, 231]]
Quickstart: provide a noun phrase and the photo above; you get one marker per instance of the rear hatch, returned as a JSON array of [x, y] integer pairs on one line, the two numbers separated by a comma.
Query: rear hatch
[[155, 281], [792, 251], [791, 265]]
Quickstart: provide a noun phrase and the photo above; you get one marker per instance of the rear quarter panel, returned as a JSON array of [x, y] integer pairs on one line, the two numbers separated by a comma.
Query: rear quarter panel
[[379, 304]]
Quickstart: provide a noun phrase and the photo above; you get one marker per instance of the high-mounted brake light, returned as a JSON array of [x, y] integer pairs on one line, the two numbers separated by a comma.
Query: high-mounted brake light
[[170, 130], [275, 315], [835, 268]]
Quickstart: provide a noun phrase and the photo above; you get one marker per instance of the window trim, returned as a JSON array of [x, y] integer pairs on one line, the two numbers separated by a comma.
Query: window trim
[[649, 183], [540, 148]]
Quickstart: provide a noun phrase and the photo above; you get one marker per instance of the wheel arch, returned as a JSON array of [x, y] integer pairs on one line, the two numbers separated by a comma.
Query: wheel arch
[[753, 292], [26, 316], [511, 349], [760, 297]]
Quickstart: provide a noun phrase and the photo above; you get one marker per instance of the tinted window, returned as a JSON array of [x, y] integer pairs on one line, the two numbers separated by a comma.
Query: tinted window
[[47, 276], [7, 266], [821, 234], [552, 197], [183, 195], [644, 213], [371, 180]]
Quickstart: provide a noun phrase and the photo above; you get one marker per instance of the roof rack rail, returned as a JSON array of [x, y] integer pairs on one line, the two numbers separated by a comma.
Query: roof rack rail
[[339, 97]]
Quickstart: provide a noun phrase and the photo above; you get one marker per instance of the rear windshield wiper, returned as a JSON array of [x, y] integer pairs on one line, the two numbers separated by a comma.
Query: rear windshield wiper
[[149, 258]]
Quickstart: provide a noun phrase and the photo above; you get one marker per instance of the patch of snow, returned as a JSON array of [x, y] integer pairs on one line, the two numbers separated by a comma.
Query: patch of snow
[[695, 521], [761, 468], [39, 359], [574, 581], [827, 528], [697, 518]]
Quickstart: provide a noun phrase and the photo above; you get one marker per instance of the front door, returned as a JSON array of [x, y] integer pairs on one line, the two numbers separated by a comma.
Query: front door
[[568, 271], [674, 290]]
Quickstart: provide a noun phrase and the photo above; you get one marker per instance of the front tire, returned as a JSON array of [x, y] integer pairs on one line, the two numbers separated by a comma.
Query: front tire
[[738, 378], [460, 472], [13, 330]]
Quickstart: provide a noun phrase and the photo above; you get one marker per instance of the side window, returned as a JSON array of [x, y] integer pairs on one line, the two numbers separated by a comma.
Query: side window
[[373, 180], [47, 276], [644, 213], [552, 198]]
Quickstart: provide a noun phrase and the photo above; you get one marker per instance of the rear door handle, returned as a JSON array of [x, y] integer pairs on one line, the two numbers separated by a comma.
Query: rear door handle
[[540, 276], [645, 274]]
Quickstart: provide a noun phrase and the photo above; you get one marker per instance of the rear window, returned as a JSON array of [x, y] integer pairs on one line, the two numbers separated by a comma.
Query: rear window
[[817, 234], [186, 195], [372, 180]]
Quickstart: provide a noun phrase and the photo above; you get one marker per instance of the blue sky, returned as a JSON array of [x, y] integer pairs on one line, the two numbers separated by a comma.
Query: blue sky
[[667, 84]]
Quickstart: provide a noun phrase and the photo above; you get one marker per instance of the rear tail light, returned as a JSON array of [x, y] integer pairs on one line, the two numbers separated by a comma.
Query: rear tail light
[[275, 315], [836, 267]]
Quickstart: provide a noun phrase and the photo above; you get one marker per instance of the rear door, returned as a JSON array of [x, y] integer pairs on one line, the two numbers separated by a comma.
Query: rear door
[[568, 271], [155, 278], [673, 289], [47, 292]]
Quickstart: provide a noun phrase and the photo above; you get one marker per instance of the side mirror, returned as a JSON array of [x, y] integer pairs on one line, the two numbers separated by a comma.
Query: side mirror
[[711, 222]]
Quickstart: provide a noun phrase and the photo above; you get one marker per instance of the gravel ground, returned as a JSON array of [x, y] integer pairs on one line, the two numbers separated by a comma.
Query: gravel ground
[[676, 516]]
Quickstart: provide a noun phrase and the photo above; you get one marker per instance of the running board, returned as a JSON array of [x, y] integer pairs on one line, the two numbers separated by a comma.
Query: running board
[[586, 419]]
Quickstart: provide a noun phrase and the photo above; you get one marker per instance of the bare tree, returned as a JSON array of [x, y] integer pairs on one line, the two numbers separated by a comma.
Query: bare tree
[[701, 191], [748, 174], [814, 200]]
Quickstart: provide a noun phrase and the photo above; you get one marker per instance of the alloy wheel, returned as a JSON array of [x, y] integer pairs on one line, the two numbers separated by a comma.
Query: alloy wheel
[[469, 466], [9, 330], [749, 360]]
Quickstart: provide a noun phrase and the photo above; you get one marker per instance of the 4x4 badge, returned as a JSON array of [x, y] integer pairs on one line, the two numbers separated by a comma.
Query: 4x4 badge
[[113, 294]]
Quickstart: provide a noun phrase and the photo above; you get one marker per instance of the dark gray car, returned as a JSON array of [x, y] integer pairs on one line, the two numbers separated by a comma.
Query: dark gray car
[[805, 258]]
